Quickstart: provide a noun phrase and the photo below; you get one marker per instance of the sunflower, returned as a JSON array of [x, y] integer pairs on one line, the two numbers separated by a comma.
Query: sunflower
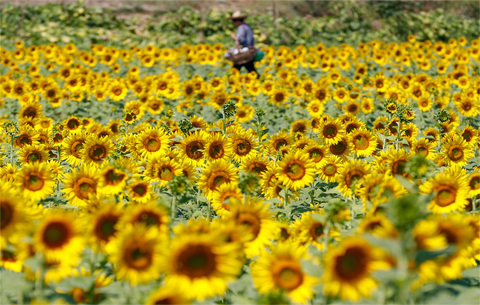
[[35, 181], [59, 238], [397, 161], [117, 90], [26, 136], [73, 145], [96, 150], [215, 174], [255, 216], [296, 170], [140, 190], [256, 164], [315, 108], [33, 154], [162, 170], [308, 230], [218, 147], [192, 148], [222, 198], [113, 179], [473, 182], [200, 265], [331, 131], [329, 171], [80, 184], [279, 141], [244, 144], [136, 254], [167, 295], [378, 226], [363, 142], [350, 175], [451, 191], [423, 147], [103, 226], [342, 149], [148, 214], [244, 113], [14, 213], [279, 96], [152, 142], [456, 150], [348, 269], [281, 270]]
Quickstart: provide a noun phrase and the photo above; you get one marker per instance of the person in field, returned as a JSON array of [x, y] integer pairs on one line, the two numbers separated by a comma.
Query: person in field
[[243, 38]]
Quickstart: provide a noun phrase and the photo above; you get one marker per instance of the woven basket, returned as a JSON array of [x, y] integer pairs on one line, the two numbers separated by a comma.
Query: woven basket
[[243, 58]]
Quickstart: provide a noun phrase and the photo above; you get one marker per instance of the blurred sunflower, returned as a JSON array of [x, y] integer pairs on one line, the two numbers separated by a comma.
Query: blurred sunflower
[[456, 150], [103, 226], [222, 198], [215, 174], [218, 147], [80, 184], [281, 270], [200, 265], [192, 148], [96, 150], [152, 142], [35, 181], [136, 254]]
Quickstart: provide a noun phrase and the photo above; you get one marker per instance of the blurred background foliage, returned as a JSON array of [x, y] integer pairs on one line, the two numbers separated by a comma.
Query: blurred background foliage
[[308, 23]]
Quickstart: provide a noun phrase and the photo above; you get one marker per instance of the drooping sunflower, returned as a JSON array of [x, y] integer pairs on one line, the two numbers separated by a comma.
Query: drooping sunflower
[[35, 181], [152, 142], [218, 147], [255, 216], [222, 198], [281, 270], [136, 254], [451, 191], [296, 170], [214, 175], [96, 150], [192, 148], [80, 184], [348, 269], [58, 237], [350, 175], [456, 150], [200, 265]]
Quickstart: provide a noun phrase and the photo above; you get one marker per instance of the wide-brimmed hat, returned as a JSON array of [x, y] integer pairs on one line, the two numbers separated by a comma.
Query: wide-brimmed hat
[[238, 15]]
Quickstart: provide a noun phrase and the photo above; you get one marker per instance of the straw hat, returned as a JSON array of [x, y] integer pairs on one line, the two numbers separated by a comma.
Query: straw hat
[[238, 15]]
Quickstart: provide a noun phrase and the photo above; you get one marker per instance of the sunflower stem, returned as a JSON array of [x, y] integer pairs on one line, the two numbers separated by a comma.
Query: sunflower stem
[[11, 149], [327, 231], [398, 134], [174, 208], [209, 216], [39, 284], [128, 292]]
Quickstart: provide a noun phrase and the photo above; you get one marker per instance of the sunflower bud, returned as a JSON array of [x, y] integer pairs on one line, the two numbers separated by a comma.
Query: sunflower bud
[[178, 185], [11, 128], [420, 168], [185, 125], [249, 183], [442, 116], [229, 109]]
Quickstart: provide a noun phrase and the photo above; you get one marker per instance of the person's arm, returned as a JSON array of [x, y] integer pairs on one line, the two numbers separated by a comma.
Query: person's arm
[[241, 36]]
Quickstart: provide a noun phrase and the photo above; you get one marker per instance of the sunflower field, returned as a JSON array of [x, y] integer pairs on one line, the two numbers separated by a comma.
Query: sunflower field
[[342, 174]]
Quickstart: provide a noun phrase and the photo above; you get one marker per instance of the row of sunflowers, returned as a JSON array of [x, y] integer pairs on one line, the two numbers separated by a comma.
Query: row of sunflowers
[[162, 176]]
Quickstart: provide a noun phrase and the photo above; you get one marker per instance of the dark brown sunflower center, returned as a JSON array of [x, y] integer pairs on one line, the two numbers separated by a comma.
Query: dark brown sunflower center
[[446, 195], [165, 173], [289, 277], [138, 257], [330, 131], [216, 150], [75, 148], [329, 170], [84, 187], [34, 182], [105, 226], [361, 142], [6, 215], [295, 171], [242, 147], [73, 124], [316, 230], [197, 261], [56, 234], [140, 190], [474, 183], [352, 264], [339, 148], [97, 152], [257, 168], [113, 178], [195, 150], [149, 218], [251, 221], [152, 143], [455, 153], [34, 157]]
